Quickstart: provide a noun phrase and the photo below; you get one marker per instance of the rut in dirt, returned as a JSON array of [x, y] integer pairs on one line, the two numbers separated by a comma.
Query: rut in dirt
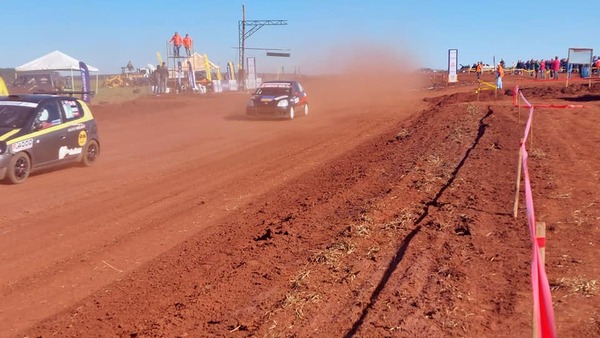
[[406, 242]]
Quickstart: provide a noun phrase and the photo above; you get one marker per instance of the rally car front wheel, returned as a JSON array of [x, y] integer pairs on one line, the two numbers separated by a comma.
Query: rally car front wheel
[[19, 167], [291, 113]]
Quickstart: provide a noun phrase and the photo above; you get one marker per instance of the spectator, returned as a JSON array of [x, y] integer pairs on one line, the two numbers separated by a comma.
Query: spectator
[[542, 69], [499, 76], [479, 70], [157, 80], [177, 41], [164, 77], [187, 43], [130, 66], [555, 67]]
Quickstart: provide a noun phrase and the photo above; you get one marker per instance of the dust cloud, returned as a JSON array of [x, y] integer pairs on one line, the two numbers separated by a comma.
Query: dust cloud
[[363, 74]]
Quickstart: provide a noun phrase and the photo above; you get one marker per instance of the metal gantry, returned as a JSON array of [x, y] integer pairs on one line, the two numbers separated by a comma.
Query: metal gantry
[[254, 26]]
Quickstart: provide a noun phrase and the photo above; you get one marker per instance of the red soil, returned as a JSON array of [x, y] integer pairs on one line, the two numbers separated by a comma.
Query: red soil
[[385, 212]]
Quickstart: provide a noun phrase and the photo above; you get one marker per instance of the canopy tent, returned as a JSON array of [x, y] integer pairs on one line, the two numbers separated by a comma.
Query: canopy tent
[[199, 63], [55, 61]]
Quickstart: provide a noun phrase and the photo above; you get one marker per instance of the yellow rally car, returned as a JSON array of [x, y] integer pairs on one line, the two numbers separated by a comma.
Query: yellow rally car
[[44, 131]]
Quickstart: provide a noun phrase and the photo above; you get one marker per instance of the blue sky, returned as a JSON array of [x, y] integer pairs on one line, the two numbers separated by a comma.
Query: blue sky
[[109, 33]]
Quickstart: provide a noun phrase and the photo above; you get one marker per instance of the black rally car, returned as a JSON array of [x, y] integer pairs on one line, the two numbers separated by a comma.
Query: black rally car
[[43, 131], [278, 99]]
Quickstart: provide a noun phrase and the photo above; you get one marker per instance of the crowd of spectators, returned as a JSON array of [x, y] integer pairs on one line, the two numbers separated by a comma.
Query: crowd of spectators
[[540, 68]]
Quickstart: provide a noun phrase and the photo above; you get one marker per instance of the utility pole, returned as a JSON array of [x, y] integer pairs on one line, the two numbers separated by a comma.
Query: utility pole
[[242, 74], [254, 26]]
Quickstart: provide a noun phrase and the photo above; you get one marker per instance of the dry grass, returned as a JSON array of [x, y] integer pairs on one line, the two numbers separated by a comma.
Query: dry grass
[[473, 109], [117, 95], [458, 135], [405, 217], [576, 285], [332, 254], [402, 134], [537, 154], [300, 280]]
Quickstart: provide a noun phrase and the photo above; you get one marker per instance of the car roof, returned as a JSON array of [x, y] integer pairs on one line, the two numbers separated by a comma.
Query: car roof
[[277, 81], [34, 98]]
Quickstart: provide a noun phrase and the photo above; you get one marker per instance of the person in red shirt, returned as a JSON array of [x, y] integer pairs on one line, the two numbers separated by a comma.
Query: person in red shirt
[[187, 44], [177, 41], [555, 67]]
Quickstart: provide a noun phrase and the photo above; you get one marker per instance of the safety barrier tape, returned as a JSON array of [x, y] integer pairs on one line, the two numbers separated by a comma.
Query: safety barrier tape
[[489, 86], [542, 298]]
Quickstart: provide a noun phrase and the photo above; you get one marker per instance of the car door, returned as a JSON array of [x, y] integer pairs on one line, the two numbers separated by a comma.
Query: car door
[[299, 94], [49, 145], [76, 131]]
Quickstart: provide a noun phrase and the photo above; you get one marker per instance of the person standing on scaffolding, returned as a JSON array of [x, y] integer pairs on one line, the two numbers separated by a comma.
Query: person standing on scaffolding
[[187, 44], [177, 41]]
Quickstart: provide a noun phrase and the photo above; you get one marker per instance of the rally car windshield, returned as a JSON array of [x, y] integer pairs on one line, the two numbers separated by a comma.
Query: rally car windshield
[[13, 116], [274, 91]]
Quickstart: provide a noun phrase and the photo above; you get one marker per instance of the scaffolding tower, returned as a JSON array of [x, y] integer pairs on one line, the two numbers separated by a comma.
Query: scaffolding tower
[[173, 64]]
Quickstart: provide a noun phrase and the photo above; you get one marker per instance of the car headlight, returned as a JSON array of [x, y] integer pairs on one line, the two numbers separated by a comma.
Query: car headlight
[[250, 103], [282, 103]]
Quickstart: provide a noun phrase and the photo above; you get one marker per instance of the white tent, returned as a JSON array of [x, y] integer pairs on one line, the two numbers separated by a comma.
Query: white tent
[[199, 63], [55, 61]]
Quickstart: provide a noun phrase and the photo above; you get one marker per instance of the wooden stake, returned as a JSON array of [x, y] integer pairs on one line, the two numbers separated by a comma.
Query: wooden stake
[[519, 169], [531, 135], [540, 236], [519, 106]]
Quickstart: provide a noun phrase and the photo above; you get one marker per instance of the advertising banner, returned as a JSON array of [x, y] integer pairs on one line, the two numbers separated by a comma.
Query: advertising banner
[[251, 80], [452, 65], [85, 82], [191, 76], [3, 89]]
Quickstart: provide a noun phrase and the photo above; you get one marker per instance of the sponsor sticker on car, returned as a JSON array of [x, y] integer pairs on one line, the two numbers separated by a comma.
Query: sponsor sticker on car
[[64, 151], [22, 145], [82, 139]]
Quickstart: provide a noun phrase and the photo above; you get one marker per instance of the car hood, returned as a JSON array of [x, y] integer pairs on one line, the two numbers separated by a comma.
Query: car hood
[[270, 98], [6, 132]]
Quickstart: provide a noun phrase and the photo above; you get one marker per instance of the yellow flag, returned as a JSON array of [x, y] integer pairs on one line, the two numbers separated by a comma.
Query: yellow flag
[[207, 68], [3, 89]]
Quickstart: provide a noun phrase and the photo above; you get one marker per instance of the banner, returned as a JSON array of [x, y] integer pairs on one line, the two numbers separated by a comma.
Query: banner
[[85, 82], [230, 71], [207, 68], [251, 80], [191, 76], [179, 76], [582, 56], [3, 89], [452, 65]]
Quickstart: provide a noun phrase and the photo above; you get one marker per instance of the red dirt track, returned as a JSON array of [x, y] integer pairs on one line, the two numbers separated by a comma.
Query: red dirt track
[[387, 212]]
